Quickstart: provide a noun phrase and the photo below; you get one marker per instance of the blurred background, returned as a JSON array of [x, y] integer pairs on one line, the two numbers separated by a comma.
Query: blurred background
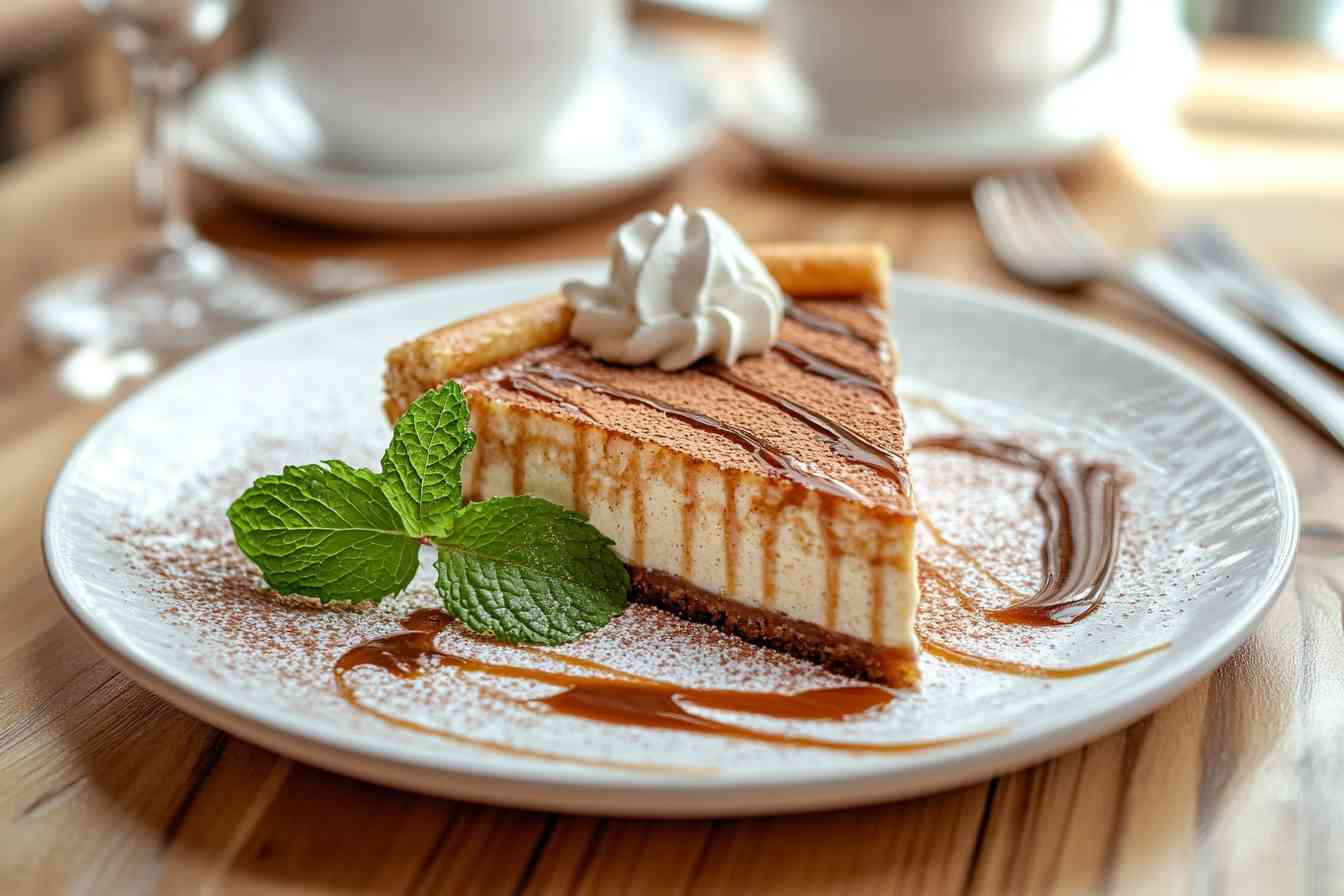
[[59, 70], [1215, 144], [338, 146]]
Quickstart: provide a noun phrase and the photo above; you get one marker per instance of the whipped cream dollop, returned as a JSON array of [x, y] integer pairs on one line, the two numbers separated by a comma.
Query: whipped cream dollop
[[681, 287]]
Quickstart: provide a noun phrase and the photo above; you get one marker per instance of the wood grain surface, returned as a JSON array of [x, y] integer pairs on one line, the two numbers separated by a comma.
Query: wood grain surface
[[1236, 787]]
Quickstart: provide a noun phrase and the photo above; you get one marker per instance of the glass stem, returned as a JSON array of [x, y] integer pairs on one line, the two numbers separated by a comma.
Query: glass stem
[[159, 185]]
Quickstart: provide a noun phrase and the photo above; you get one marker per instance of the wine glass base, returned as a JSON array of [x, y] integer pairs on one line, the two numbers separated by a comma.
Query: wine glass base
[[165, 299]]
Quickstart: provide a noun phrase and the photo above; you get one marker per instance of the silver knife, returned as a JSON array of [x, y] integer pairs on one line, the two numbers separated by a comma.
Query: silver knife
[[1275, 301]]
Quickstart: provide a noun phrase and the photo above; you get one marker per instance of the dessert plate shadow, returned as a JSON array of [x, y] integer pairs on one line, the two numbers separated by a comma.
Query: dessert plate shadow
[[139, 550]]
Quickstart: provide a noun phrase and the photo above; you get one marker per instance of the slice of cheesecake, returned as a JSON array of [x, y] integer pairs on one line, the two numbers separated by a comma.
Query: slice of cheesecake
[[770, 498]]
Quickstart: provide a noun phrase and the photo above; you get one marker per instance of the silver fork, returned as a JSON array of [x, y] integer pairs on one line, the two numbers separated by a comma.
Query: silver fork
[[1273, 300], [1036, 234]]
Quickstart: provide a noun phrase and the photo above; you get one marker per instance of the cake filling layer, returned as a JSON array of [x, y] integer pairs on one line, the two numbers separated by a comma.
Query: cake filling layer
[[804, 553]]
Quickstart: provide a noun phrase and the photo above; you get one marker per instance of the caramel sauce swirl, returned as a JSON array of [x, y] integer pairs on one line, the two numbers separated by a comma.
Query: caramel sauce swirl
[[1031, 670], [1005, 666], [1081, 505], [624, 699]]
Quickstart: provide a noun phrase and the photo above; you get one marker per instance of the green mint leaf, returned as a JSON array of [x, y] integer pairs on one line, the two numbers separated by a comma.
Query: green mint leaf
[[526, 570], [325, 531], [422, 468]]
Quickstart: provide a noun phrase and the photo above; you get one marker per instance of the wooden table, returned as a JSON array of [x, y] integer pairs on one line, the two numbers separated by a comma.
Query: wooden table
[[1237, 786]]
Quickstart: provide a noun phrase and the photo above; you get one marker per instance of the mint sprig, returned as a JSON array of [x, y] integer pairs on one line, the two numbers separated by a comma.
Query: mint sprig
[[422, 467], [524, 569], [326, 532], [519, 568]]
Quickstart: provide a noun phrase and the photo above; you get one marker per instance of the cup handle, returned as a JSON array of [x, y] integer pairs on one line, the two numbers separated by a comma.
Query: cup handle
[[1110, 33]]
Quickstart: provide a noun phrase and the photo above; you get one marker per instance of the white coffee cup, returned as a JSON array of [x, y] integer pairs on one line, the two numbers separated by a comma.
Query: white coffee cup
[[872, 64], [434, 85]]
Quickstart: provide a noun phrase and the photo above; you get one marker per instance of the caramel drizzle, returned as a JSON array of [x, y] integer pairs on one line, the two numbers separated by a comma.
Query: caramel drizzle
[[423, 636], [635, 480], [769, 582], [878, 607], [623, 700], [483, 423], [810, 362], [767, 454], [528, 386], [824, 324], [826, 515], [961, 657], [1029, 670], [690, 488], [1081, 505], [843, 440], [528, 379], [729, 531], [579, 475], [519, 458]]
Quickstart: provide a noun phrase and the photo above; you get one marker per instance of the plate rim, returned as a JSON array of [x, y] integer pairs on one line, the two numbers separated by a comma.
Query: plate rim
[[557, 787]]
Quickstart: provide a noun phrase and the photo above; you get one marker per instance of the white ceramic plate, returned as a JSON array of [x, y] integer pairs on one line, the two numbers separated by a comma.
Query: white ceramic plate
[[634, 127], [1211, 506], [1135, 84]]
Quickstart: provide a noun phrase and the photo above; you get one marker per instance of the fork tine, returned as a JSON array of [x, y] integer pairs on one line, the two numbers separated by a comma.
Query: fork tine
[[1190, 246], [1001, 223], [1058, 213], [1033, 231], [1201, 241], [1052, 253], [1201, 246], [1035, 219], [1035, 205]]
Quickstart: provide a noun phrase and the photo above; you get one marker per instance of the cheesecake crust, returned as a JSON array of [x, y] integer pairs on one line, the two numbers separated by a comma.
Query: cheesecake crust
[[467, 346], [840, 653], [817, 270]]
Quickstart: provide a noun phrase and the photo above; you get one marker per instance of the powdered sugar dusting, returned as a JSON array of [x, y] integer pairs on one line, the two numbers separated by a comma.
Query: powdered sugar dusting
[[283, 651], [139, 546]]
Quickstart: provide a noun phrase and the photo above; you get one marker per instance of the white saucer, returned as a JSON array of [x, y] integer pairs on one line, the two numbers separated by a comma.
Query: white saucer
[[1212, 511], [1136, 81], [635, 126], [744, 11]]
